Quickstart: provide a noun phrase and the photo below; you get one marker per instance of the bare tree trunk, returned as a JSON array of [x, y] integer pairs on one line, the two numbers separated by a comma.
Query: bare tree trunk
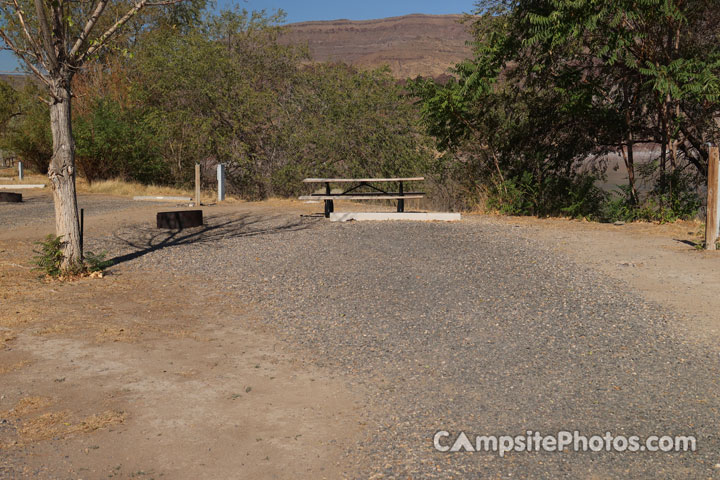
[[665, 141], [631, 170], [629, 158], [62, 176], [663, 127]]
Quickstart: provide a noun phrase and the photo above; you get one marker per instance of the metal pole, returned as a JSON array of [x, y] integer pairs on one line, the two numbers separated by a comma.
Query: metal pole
[[20, 171], [329, 206], [712, 219], [401, 202], [197, 184], [221, 181]]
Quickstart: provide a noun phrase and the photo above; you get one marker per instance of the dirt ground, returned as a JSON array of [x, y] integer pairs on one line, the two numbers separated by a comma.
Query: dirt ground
[[147, 375]]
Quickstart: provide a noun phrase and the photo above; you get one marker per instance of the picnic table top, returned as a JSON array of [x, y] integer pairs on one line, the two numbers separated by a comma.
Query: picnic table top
[[358, 180], [379, 196]]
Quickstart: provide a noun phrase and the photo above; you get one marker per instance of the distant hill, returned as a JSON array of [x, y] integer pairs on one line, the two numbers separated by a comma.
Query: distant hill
[[411, 45]]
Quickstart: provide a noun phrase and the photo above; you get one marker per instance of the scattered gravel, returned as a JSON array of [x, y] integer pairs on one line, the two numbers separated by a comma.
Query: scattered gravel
[[39, 209], [462, 327]]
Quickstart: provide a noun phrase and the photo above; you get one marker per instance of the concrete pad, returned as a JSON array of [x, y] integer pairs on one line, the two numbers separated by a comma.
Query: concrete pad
[[381, 216], [18, 186], [162, 199]]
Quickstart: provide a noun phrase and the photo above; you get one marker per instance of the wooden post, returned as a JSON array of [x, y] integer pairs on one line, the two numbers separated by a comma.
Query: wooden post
[[82, 230], [197, 184], [712, 219]]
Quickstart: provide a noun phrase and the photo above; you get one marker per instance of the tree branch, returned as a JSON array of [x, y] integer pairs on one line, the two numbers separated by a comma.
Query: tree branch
[[23, 56], [87, 29], [46, 34], [26, 32], [100, 42]]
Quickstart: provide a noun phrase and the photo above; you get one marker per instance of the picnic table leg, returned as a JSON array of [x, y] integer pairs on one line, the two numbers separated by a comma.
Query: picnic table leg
[[329, 206], [401, 202]]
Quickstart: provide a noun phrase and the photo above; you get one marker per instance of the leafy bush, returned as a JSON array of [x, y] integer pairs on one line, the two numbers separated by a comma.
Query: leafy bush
[[26, 130], [677, 196], [585, 199], [49, 259], [116, 142], [652, 209], [96, 262], [576, 197], [512, 196]]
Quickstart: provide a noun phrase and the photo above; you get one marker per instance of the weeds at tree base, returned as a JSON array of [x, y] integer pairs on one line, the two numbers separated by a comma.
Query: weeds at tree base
[[701, 245], [49, 257], [49, 260]]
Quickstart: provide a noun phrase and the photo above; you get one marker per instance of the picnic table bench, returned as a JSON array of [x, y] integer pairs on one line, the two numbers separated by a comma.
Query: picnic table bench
[[356, 184]]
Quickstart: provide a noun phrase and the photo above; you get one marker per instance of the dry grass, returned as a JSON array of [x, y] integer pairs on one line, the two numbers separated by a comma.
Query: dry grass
[[123, 188], [34, 426], [9, 176], [28, 405], [115, 187], [35, 423], [130, 189]]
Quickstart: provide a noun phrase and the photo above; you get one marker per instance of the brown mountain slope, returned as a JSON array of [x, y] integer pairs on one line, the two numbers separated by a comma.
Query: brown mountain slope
[[411, 45]]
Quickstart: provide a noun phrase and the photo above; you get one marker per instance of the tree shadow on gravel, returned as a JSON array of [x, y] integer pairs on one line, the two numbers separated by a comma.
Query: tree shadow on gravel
[[144, 239], [687, 242]]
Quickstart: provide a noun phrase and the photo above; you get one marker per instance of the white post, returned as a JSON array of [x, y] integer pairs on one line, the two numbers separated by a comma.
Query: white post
[[20, 171], [221, 181]]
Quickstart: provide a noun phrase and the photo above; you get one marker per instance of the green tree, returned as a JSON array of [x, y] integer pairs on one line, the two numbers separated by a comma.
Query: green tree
[[116, 142], [343, 122], [8, 104], [213, 92], [655, 63], [555, 82], [54, 40], [227, 91], [26, 127]]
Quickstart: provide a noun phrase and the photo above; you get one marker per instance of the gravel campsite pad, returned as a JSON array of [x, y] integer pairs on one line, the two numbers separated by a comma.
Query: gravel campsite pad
[[38, 208], [468, 327]]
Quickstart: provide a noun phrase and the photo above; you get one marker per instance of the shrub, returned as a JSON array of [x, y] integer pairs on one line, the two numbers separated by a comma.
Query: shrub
[[27, 132], [49, 259], [511, 197], [576, 196], [114, 142]]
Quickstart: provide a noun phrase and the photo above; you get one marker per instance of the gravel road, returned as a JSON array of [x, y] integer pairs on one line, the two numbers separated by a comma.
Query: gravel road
[[37, 209], [467, 327]]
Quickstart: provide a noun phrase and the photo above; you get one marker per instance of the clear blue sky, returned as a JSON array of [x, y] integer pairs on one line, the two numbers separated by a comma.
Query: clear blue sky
[[302, 11]]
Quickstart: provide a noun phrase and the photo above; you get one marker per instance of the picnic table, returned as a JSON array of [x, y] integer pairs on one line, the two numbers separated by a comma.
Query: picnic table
[[363, 189]]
